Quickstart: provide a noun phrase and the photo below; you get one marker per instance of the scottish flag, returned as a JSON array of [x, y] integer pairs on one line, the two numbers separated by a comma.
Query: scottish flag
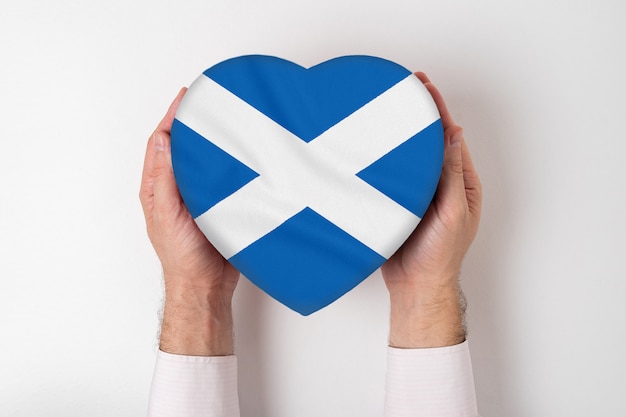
[[307, 180]]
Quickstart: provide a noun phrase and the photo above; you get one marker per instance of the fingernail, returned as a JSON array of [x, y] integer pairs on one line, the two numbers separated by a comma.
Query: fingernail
[[159, 143]]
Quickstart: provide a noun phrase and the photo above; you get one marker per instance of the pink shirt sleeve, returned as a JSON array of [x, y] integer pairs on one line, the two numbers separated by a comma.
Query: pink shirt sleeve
[[433, 382], [194, 386], [420, 382]]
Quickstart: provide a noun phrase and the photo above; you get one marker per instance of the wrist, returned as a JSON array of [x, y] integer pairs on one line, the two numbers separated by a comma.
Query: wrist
[[196, 322], [425, 316]]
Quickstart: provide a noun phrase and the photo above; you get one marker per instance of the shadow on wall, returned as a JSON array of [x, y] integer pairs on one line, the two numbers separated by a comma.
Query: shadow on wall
[[251, 346], [488, 118]]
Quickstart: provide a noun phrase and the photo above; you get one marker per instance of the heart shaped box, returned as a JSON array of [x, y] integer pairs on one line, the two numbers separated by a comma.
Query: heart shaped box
[[307, 180]]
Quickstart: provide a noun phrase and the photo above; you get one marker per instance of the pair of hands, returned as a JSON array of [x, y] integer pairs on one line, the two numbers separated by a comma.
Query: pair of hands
[[422, 276]]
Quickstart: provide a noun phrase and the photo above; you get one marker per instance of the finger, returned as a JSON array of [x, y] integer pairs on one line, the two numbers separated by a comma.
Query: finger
[[473, 186], [166, 195], [469, 171], [422, 77], [166, 123], [146, 191], [451, 187], [446, 117]]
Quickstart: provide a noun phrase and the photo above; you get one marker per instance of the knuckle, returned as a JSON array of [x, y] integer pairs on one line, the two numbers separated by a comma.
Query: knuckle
[[158, 171], [456, 167]]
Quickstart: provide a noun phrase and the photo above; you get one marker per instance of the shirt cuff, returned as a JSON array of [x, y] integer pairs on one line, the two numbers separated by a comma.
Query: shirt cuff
[[433, 382], [194, 386]]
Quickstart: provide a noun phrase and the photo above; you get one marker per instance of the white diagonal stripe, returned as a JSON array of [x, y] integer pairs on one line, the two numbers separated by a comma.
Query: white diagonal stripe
[[382, 124], [295, 174]]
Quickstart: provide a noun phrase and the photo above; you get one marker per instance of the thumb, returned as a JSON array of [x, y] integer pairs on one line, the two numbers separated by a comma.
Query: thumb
[[165, 190], [452, 182]]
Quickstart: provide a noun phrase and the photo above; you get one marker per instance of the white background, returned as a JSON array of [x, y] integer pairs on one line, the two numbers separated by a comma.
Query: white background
[[539, 87]]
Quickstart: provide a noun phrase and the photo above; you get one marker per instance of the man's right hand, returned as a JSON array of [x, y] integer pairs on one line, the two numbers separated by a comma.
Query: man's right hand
[[199, 282]]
